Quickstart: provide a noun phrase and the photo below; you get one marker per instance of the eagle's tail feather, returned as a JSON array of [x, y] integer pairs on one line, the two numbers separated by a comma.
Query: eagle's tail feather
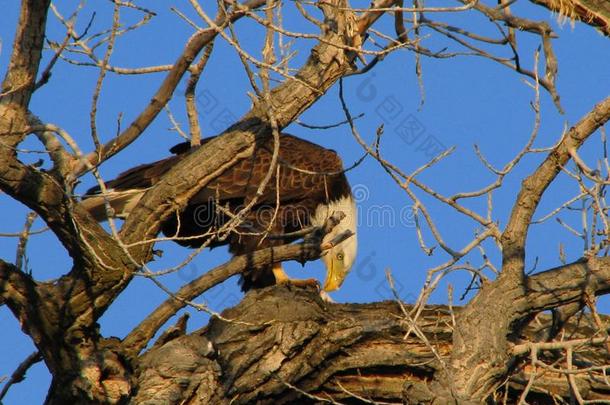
[[122, 202]]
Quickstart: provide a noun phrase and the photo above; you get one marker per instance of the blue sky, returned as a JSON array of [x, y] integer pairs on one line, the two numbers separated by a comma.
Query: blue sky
[[468, 101]]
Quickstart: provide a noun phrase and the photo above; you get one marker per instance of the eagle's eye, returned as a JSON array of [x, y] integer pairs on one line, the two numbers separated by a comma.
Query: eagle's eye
[[339, 256]]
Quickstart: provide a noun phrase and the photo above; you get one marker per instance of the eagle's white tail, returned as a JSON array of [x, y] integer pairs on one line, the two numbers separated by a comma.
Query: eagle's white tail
[[122, 202]]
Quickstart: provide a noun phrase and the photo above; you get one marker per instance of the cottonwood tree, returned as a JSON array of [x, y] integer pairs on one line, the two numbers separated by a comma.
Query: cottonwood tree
[[544, 339]]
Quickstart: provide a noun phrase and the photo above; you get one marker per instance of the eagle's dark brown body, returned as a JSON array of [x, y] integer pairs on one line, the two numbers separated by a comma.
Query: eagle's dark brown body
[[308, 180]]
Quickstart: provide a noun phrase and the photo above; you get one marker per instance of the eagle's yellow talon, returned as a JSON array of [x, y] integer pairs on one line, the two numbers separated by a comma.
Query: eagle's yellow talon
[[282, 278]]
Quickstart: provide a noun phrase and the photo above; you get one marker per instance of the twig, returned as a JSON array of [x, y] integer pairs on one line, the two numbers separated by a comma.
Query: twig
[[23, 240], [102, 75], [189, 95], [329, 126], [19, 374]]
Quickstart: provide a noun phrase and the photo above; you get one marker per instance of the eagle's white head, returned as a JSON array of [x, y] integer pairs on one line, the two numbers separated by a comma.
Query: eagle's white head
[[340, 258]]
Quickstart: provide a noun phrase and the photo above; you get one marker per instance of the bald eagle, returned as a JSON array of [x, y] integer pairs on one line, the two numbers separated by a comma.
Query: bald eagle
[[308, 186]]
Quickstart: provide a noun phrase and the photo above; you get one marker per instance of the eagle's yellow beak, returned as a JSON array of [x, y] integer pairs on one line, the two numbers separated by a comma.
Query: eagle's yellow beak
[[335, 273]]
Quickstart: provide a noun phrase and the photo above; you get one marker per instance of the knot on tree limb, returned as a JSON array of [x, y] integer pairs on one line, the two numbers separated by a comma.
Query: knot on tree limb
[[181, 368]]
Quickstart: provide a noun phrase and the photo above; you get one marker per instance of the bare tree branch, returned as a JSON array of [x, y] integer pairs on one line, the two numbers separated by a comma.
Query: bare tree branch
[[19, 374], [195, 44], [515, 233]]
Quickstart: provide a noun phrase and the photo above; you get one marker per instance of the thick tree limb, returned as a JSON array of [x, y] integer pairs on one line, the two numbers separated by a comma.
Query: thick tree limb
[[20, 80], [269, 352], [35, 307], [281, 341], [44, 194], [566, 284]]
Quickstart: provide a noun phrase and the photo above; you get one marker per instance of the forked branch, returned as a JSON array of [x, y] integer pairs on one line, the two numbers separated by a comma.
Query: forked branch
[[534, 186]]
